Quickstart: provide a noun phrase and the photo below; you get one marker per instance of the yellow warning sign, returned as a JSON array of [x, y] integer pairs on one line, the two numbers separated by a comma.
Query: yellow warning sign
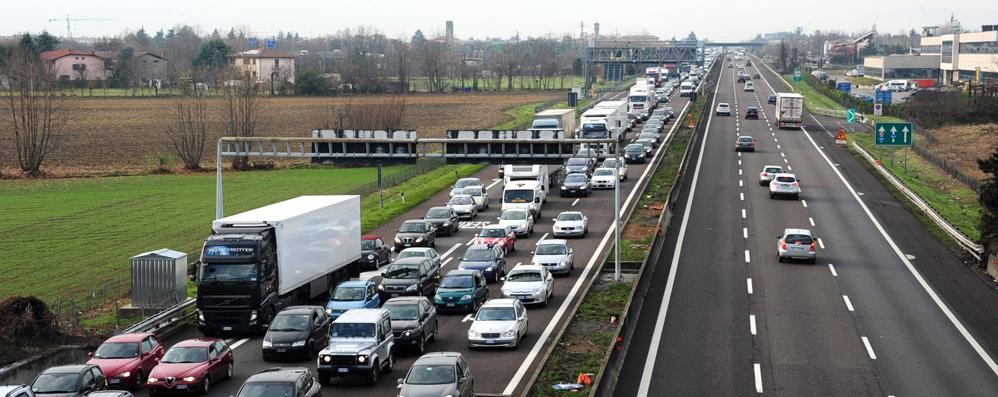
[[840, 139]]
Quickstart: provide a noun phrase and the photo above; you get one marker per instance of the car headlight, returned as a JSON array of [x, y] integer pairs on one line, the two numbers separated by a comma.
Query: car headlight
[[472, 333], [190, 379], [329, 311], [299, 343], [466, 298], [362, 358], [370, 257], [125, 374], [381, 287], [397, 240], [562, 188], [201, 316], [326, 359], [438, 297], [267, 343], [253, 315], [489, 269], [563, 263], [407, 333], [509, 332], [446, 224], [151, 380], [538, 290], [411, 288]]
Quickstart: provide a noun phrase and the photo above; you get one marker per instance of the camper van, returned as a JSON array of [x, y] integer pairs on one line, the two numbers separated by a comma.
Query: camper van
[[686, 88]]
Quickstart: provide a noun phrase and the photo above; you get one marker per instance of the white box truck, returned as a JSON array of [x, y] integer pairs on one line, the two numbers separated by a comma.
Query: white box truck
[[263, 260], [789, 110], [555, 119], [524, 194], [541, 173], [640, 100]]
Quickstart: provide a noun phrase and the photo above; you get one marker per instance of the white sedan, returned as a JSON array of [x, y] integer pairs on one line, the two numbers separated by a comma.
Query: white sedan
[[519, 220], [529, 284], [610, 163], [570, 223], [603, 178], [499, 322]]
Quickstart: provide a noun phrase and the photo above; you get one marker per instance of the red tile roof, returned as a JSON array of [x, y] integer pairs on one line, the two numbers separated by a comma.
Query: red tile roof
[[62, 52], [263, 53]]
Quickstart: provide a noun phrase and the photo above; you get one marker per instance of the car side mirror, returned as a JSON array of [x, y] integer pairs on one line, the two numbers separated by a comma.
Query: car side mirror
[[538, 199], [90, 355], [400, 380]]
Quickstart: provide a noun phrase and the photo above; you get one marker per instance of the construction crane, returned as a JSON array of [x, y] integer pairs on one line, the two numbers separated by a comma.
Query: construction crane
[[69, 21]]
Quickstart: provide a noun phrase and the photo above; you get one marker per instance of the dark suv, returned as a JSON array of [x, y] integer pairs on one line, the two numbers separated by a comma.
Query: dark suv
[[410, 276], [414, 321], [415, 233], [444, 219], [296, 381], [69, 381], [752, 113], [299, 331]]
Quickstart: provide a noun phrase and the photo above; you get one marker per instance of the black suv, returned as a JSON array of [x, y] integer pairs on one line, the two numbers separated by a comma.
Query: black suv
[[444, 219], [295, 381], [415, 233], [410, 276], [752, 113], [771, 100], [299, 331]]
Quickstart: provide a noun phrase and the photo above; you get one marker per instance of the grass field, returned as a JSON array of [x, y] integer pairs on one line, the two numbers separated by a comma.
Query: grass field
[[812, 98]]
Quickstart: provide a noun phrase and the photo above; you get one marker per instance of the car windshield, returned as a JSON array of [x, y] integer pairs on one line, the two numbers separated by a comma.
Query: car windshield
[[551, 249], [745, 139], [575, 178], [797, 239], [514, 215], [55, 383], [467, 182], [117, 350], [403, 312], [353, 330], [570, 216], [409, 253], [524, 276], [723, 105], [787, 179], [228, 272], [752, 110], [413, 227], [518, 196], [431, 375], [473, 191], [461, 200], [346, 294], [478, 255], [367, 245], [609, 163], [496, 314], [492, 232], [604, 171], [438, 213], [774, 169], [577, 161], [290, 322], [402, 271], [633, 149], [457, 282], [267, 389], [185, 355], [456, 191]]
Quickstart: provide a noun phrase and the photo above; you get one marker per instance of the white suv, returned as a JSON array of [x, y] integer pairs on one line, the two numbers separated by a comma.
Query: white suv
[[723, 108], [784, 185]]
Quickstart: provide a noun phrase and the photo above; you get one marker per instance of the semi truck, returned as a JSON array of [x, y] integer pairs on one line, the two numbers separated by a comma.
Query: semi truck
[[555, 119], [639, 101], [258, 262], [606, 120], [789, 110]]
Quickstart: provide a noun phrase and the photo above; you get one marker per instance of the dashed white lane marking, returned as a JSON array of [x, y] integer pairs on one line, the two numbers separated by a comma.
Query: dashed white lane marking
[[470, 242], [775, 139], [446, 261], [466, 318], [542, 238], [832, 268], [751, 320], [869, 348], [748, 258], [748, 285], [821, 243], [804, 202], [739, 172], [809, 219], [758, 377], [789, 168], [575, 202], [778, 147], [848, 303], [783, 154], [739, 163], [238, 343], [740, 183], [495, 182], [742, 196], [743, 213], [785, 161], [739, 154], [744, 232], [450, 251]]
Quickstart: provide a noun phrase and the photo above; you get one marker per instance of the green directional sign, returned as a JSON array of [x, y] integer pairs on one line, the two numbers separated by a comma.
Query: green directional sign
[[893, 134], [797, 76], [851, 115]]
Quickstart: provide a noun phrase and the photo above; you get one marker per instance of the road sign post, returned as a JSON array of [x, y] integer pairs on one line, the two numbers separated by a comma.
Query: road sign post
[[878, 109], [893, 134], [851, 115], [797, 75]]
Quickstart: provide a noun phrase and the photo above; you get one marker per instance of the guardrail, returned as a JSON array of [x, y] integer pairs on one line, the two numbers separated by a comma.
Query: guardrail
[[167, 320], [965, 242]]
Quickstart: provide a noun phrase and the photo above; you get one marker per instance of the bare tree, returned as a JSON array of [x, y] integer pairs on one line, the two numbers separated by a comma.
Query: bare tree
[[240, 109], [187, 129], [36, 113], [402, 64]]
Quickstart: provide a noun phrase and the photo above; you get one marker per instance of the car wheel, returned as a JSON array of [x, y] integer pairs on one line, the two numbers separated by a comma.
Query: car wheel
[[779, 259], [140, 379], [436, 328], [796, 197], [391, 362], [206, 385], [771, 195], [421, 347], [372, 378], [229, 371]]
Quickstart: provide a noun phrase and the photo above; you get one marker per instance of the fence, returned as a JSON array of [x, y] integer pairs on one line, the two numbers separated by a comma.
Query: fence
[[953, 171], [395, 179]]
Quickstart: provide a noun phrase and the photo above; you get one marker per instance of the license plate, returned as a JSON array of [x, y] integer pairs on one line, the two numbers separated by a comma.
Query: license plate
[[114, 381], [450, 305], [181, 387], [490, 341], [226, 328], [282, 350], [343, 370]]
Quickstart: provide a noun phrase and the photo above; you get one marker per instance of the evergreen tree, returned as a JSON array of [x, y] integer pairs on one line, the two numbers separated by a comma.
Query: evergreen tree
[[46, 42]]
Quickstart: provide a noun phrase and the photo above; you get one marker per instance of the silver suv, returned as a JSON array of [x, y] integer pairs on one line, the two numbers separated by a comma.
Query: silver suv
[[796, 244], [438, 374], [768, 173], [784, 185], [360, 344]]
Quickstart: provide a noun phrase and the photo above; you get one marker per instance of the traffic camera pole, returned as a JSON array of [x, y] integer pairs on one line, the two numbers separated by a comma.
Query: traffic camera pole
[[616, 220]]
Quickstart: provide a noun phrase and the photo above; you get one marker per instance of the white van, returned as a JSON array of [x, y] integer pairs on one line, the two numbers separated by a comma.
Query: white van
[[896, 85], [529, 195], [686, 88]]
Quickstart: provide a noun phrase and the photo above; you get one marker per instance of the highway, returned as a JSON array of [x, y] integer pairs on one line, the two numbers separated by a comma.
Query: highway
[[494, 371], [872, 317]]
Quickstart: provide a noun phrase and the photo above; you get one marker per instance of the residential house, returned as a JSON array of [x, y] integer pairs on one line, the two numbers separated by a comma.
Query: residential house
[[70, 64], [151, 68], [266, 65]]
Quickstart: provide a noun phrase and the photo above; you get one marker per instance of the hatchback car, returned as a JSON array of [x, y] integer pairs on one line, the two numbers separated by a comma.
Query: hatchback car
[[125, 360], [420, 252], [191, 366], [414, 321], [353, 294], [480, 195], [784, 185], [767, 174], [438, 374], [752, 112], [771, 100], [529, 284], [464, 205], [462, 291], [570, 224], [279, 382], [465, 182], [577, 165], [576, 184], [487, 259], [634, 153], [555, 255], [749, 87], [745, 143], [648, 146], [416, 233], [445, 219], [410, 276], [69, 381], [498, 236], [723, 109], [298, 331], [500, 322], [617, 163], [519, 220], [796, 244], [374, 252], [604, 178], [651, 136]]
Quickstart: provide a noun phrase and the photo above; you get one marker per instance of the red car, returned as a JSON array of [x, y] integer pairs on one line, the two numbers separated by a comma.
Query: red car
[[126, 359], [499, 236], [191, 366]]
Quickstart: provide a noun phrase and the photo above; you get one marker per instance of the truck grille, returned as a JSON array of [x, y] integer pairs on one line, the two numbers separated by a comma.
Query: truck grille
[[225, 301]]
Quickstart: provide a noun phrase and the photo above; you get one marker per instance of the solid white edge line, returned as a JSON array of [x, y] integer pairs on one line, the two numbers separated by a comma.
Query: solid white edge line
[[869, 348], [514, 382], [832, 268], [751, 320], [446, 261], [848, 303], [748, 285], [988, 360], [758, 377], [656, 337]]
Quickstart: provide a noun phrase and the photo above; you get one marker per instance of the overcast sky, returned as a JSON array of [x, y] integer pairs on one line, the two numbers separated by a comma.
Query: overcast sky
[[718, 20]]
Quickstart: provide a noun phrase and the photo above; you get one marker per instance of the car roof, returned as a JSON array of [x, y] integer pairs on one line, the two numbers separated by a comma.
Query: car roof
[[196, 342], [361, 315], [723, 104], [772, 166], [494, 226], [407, 299], [370, 237], [553, 241], [418, 220], [461, 272], [570, 212], [796, 231], [354, 283], [500, 302], [463, 195], [407, 261], [131, 337], [67, 369], [438, 358], [745, 136], [418, 249], [786, 174], [479, 247], [470, 179], [752, 108], [278, 374], [534, 268]]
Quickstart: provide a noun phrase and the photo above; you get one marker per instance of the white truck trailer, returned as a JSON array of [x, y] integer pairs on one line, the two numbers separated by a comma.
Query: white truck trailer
[[789, 110], [555, 119]]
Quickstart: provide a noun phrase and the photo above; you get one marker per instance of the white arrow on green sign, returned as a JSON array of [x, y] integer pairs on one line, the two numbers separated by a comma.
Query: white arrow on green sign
[[893, 134]]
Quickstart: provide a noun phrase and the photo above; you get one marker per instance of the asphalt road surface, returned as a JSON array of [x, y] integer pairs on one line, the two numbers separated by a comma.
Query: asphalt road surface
[[887, 310], [494, 371]]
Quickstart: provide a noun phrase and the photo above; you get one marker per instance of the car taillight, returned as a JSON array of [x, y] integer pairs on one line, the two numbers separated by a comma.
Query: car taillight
[[812, 246], [783, 245], [797, 184], [765, 174]]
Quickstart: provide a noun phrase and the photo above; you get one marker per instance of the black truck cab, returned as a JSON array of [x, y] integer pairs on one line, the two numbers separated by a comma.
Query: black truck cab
[[237, 282]]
